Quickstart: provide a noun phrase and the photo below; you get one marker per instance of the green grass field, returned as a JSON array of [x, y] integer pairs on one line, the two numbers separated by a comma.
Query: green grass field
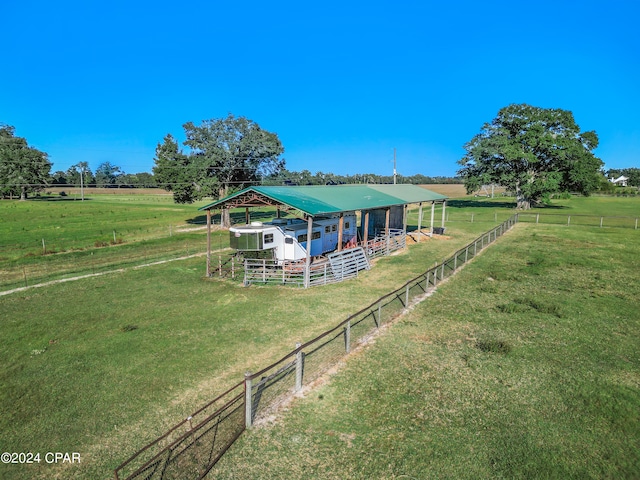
[[524, 365], [102, 366]]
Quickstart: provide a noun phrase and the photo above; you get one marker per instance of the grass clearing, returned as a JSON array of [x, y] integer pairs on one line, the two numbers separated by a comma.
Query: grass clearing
[[104, 365], [461, 388]]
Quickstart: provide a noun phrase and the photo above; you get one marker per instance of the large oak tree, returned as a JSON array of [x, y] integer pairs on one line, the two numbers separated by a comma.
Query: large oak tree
[[224, 154], [533, 152], [23, 169]]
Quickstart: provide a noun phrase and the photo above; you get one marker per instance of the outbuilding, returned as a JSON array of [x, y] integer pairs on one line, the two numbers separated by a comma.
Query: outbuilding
[[326, 215]]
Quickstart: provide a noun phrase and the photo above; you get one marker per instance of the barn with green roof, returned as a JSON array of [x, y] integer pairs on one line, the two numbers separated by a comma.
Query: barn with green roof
[[327, 215]]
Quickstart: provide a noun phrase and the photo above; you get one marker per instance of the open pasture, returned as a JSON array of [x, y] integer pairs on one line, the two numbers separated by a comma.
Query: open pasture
[[524, 365], [104, 365]]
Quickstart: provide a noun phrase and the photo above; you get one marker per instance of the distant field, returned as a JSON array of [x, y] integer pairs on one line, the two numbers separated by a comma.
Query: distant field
[[88, 191], [458, 190]]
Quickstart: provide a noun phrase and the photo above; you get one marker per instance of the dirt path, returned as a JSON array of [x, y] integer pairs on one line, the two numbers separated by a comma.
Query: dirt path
[[90, 275]]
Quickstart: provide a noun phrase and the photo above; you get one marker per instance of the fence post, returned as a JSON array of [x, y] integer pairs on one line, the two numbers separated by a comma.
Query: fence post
[[568, 220], [379, 321], [347, 337], [442, 276], [600, 222], [406, 296], [248, 406], [466, 254], [636, 224], [299, 360], [472, 218], [455, 262], [537, 218]]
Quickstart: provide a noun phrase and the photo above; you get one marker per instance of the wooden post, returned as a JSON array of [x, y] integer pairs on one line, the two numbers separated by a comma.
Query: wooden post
[[386, 226], [406, 297], [347, 337], [340, 230], [307, 263], [365, 230], [420, 222], [472, 218], [247, 216], [404, 218], [433, 211], [600, 222], [209, 244], [378, 320], [248, 401], [444, 207], [568, 220], [299, 363]]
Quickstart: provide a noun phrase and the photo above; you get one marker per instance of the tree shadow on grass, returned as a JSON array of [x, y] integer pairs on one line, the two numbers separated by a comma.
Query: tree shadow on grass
[[465, 203], [480, 204], [57, 198]]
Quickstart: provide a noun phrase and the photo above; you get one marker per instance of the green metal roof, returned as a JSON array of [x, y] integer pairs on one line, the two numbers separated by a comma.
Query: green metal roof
[[325, 199]]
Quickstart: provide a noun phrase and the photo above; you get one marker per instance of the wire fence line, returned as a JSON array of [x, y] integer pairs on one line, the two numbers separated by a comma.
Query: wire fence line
[[192, 447], [602, 221]]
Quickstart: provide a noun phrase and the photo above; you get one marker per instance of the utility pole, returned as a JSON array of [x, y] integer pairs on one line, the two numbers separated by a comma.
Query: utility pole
[[395, 174], [82, 182]]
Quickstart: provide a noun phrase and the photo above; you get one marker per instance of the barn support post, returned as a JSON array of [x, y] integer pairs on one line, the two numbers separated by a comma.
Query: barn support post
[[247, 216], [433, 211], [307, 263], [444, 207], [420, 222], [365, 230], [299, 367], [340, 230], [404, 218], [209, 243], [248, 403], [387, 214]]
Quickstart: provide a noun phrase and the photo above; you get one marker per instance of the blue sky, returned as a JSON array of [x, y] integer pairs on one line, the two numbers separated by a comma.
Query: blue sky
[[342, 83]]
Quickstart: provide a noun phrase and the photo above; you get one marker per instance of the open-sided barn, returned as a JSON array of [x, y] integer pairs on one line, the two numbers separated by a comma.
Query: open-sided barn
[[326, 220]]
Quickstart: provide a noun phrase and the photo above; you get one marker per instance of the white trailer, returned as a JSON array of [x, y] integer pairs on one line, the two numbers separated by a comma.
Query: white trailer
[[286, 238]]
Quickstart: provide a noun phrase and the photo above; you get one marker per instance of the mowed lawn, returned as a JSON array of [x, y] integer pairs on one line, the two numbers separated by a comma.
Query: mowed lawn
[[102, 366], [526, 364]]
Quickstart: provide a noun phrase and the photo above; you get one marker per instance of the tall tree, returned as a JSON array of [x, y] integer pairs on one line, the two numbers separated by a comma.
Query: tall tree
[[107, 174], [23, 169], [224, 154], [533, 152], [174, 172]]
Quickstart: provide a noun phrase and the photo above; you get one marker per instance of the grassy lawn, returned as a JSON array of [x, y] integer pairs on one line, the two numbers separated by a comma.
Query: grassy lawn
[[524, 365], [104, 365]]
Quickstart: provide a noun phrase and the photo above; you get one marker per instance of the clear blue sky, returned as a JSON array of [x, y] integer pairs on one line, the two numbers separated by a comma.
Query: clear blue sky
[[342, 83]]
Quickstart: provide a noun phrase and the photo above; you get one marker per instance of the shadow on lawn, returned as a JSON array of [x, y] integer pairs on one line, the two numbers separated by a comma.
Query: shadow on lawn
[[503, 204], [57, 198]]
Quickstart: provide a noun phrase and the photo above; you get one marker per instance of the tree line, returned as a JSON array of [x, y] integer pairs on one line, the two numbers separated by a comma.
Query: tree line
[[533, 152]]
